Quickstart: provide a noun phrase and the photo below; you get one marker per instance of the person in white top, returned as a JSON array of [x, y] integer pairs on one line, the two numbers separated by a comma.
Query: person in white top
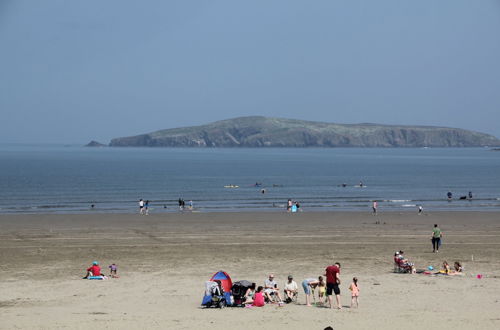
[[291, 289], [141, 206], [271, 289]]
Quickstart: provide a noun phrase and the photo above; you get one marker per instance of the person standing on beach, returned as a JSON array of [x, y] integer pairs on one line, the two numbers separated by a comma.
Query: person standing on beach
[[141, 206], [332, 284], [420, 209], [436, 238], [374, 207], [146, 207], [354, 292]]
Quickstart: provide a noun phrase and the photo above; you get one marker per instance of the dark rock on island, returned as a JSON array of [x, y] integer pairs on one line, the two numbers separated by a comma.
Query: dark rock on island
[[95, 144], [277, 132]]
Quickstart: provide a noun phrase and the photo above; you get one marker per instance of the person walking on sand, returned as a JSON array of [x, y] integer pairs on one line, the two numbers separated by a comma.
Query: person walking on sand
[[374, 207], [332, 284], [141, 206], [420, 209], [146, 207], [354, 292], [436, 238]]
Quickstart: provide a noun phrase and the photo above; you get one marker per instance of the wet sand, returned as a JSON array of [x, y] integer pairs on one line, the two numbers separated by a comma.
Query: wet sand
[[165, 259]]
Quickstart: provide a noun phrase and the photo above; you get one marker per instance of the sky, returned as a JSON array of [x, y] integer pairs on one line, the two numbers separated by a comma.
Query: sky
[[75, 71]]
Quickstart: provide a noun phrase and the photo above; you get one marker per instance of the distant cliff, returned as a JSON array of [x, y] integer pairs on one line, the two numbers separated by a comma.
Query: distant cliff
[[277, 132]]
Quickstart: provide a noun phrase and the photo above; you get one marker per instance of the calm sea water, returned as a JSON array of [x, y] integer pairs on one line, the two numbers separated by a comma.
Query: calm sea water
[[48, 179]]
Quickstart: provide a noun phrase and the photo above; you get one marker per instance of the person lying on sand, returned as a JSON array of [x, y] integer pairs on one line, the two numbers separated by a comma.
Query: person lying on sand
[[457, 269]]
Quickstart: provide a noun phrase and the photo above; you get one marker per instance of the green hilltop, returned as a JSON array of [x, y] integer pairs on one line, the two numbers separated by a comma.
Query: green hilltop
[[260, 131]]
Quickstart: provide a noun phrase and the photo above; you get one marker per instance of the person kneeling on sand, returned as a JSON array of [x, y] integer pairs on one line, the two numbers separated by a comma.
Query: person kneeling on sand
[[93, 270]]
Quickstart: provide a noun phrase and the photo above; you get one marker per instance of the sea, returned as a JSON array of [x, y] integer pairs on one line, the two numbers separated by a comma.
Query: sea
[[77, 179]]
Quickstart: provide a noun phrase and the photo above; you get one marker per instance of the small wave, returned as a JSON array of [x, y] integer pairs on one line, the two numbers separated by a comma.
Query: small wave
[[399, 200], [409, 205]]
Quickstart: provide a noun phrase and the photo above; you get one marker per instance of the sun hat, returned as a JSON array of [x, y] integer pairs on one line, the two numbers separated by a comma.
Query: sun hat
[[95, 263], [290, 277]]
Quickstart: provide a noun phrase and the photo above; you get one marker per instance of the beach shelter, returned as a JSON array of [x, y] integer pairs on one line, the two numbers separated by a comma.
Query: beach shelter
[[224, 279]]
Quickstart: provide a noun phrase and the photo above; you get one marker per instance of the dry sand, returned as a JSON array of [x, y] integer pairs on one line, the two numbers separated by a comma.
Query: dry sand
[[165, 259]]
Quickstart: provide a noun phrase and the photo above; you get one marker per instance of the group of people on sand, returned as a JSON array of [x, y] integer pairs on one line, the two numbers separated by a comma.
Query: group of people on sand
[[402, 262], [327, 287], [94, 271]]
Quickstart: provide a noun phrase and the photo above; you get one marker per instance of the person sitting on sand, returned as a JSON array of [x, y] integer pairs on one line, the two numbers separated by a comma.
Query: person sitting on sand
[[258, 299], [403, 262], [271, 289], [93, 270], [249, 295], [290, 289]]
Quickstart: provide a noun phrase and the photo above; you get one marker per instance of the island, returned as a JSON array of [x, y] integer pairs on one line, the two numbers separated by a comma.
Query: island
[[258, 131], [95, 144]]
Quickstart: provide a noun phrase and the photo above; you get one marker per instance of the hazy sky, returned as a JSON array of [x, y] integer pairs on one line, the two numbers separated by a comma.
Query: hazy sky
[[72, 71]]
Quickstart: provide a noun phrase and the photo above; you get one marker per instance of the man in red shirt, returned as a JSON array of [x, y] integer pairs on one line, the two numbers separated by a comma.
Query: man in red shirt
[[332, 284], [93, 270]]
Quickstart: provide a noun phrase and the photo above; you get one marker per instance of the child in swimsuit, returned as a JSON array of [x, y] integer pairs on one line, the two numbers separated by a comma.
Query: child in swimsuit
[[321, 289], [354, 292]]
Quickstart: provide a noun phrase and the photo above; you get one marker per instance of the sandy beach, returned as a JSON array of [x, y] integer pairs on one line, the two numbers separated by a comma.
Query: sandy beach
[[165, 259]]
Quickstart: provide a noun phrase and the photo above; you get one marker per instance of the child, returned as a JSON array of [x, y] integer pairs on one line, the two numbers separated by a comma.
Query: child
[[258, 299], [354, 292], [321, 289], [113, 270]]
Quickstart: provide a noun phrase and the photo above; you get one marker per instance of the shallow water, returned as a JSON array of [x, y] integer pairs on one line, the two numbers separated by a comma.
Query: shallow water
[[47, 179]]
